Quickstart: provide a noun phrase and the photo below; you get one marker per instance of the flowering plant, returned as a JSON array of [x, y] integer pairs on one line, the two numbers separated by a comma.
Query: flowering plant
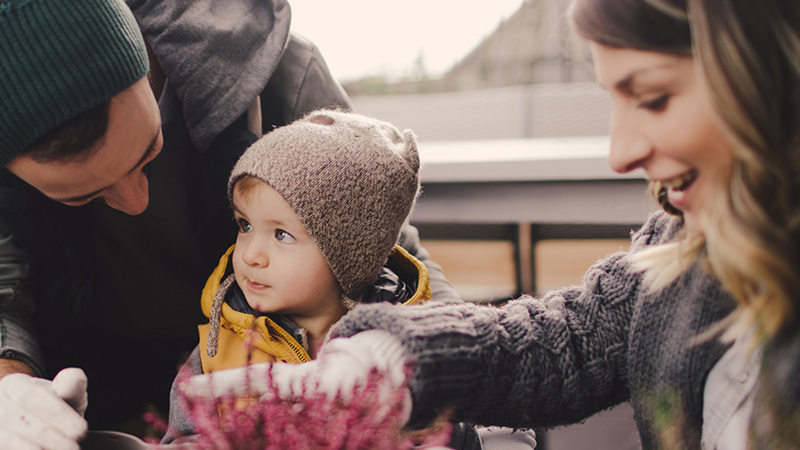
[[366, 417]]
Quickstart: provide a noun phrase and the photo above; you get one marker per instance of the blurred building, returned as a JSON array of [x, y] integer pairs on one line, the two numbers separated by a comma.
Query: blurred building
[[535, 45], [530, 78]]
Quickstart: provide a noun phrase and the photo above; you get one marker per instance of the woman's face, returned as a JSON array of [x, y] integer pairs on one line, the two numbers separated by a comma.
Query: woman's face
[[663, 122]]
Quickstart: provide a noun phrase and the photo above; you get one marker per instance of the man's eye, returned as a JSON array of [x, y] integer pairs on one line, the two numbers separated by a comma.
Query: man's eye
[[244, 226], [283, 236]]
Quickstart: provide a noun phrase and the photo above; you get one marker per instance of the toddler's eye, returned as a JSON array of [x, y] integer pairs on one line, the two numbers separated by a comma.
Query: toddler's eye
[[283, 236], [244, 226]]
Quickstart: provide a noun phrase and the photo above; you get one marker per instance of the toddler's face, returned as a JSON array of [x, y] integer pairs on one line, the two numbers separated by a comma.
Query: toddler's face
[[277, 264]]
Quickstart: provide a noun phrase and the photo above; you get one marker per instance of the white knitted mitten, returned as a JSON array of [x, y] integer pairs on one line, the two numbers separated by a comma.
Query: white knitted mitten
[[341, 365], [40, 414]]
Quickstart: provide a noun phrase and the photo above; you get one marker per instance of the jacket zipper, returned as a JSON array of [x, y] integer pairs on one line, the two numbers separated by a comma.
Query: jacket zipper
[[291, 345]]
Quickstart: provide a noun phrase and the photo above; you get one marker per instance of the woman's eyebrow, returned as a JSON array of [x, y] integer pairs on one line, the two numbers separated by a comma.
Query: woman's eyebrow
[[625, 84]]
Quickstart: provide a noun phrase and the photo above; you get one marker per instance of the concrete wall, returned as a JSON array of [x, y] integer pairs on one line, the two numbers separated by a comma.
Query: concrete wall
[[568, 109]]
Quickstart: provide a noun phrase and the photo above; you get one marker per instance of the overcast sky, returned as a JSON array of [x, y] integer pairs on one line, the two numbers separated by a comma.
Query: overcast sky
[[383, 37]]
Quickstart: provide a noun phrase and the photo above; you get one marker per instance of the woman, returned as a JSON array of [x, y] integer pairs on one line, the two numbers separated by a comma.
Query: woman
[[697, 325]]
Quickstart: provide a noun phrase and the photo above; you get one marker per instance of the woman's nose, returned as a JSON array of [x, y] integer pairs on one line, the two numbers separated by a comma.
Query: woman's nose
[[630, 147]]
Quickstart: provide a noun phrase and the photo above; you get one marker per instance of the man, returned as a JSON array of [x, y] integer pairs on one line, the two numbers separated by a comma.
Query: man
[[94, 272]]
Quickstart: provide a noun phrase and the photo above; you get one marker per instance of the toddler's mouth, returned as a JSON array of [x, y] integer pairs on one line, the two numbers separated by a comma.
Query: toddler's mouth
[[256, 285]]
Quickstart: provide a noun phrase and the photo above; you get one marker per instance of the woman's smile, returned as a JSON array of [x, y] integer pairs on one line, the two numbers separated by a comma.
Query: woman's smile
[[679, 189]]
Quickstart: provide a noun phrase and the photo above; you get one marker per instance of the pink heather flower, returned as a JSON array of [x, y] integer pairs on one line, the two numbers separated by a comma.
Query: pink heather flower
[[363, 419], [156, 426]]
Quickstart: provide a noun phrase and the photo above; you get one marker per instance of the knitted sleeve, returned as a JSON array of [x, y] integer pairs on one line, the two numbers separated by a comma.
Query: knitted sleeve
[[533, 362]]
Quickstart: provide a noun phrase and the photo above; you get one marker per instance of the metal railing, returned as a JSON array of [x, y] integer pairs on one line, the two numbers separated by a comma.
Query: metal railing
[[524, 191]]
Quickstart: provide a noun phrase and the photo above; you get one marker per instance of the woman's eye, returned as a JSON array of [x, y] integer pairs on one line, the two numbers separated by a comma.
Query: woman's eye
[[284, 237], [657, 104], [244, 226]]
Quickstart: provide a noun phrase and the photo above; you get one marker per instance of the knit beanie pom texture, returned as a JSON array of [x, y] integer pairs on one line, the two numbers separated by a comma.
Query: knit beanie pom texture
[[352, 180], [59, 58]]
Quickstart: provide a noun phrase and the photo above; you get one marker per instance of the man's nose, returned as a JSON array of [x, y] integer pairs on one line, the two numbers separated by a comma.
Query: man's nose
[[130, 195]]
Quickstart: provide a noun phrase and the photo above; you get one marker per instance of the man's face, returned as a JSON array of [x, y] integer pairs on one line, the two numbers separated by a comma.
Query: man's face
[[114, 171]]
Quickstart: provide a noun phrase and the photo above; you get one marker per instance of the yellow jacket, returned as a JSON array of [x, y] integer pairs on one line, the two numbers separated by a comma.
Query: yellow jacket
[[244, 338]]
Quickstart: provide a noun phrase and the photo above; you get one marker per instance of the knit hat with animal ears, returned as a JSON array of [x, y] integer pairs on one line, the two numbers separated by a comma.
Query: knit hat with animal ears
[[352, 180]]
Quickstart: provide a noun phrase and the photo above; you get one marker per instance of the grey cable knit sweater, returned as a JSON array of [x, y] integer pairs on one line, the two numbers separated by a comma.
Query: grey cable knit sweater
[[571, 353]]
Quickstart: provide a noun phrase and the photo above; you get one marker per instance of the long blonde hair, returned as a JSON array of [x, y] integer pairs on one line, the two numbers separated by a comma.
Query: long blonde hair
[[749, 54]]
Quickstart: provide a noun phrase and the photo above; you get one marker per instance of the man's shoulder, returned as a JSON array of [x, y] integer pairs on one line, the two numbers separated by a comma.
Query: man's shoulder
[[300, 84]]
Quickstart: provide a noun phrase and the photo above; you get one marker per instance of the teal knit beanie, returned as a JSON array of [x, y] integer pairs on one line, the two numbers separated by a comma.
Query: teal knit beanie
[[59, 58]]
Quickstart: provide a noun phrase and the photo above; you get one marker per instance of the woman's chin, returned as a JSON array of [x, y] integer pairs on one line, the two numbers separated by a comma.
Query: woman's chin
[[692, 224]]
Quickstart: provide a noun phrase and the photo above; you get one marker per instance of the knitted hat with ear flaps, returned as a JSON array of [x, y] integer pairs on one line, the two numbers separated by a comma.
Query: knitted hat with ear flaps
[[352, 181], [59, 58]]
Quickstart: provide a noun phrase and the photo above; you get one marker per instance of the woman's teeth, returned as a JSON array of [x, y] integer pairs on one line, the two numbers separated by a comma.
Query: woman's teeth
[[682, 182]]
